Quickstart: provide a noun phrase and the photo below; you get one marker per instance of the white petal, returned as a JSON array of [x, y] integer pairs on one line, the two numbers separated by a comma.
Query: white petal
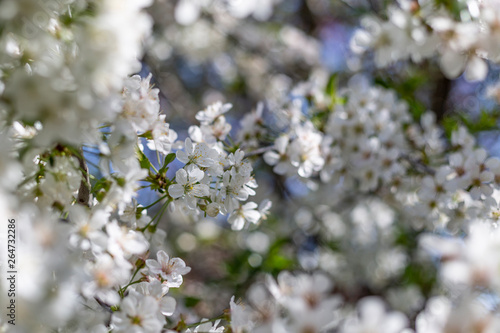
[[147, 305], [200, 190], [181, 177], [281, 168], [195, 175], [153, 266], [452, 64], [195, 133], [129, 305], [271, 157], [176, 191], [252, 216], [182, 156], [281, 143], [204, 162], [186, 12], [237, 222], [189, 147], [476, 70], [167, 305], [162, 257], [249, 206]]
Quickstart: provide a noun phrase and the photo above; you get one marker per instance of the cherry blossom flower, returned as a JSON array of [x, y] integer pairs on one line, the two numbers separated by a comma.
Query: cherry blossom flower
[[212, 112], [169, 270], [278, 158], [199, 154], [138, 314], [188, 186], [374, 318], [246, 212]]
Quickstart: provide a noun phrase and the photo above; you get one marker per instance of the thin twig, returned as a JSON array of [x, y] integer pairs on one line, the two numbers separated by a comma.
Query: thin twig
[[418, 165], [83, 197], [259, 151]]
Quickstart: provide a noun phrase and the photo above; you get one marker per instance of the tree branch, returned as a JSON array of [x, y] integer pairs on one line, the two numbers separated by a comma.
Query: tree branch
[[440, 96], [83, 197]]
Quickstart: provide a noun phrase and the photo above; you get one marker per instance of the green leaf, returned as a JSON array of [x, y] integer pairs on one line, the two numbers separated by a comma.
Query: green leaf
[[454, 7], [406, 89], [191, 301], [331, 86], [143, 160], [168, 159], [450, 124], [486, 121]]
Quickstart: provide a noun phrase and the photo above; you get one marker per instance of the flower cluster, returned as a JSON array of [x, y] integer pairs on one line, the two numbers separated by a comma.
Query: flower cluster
[[300, 303], [305, 303], [72, 123], [360, 143], [211, 179], [464, 40], [423, 181]]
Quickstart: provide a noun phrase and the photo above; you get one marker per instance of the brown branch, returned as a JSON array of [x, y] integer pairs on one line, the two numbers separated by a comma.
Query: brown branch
[[418, 165], [440, 96], [83, 197], [259, 151]]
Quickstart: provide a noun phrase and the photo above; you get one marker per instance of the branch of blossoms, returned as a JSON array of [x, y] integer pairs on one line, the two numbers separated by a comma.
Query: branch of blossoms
[[65, 83], [446, 185], [103, 248], [461, 35]]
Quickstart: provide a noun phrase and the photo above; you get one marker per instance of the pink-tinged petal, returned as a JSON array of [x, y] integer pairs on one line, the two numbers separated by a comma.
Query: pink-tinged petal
[[176, 191], [173, 280], [162, 257], [179, 266], [153, 266]]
